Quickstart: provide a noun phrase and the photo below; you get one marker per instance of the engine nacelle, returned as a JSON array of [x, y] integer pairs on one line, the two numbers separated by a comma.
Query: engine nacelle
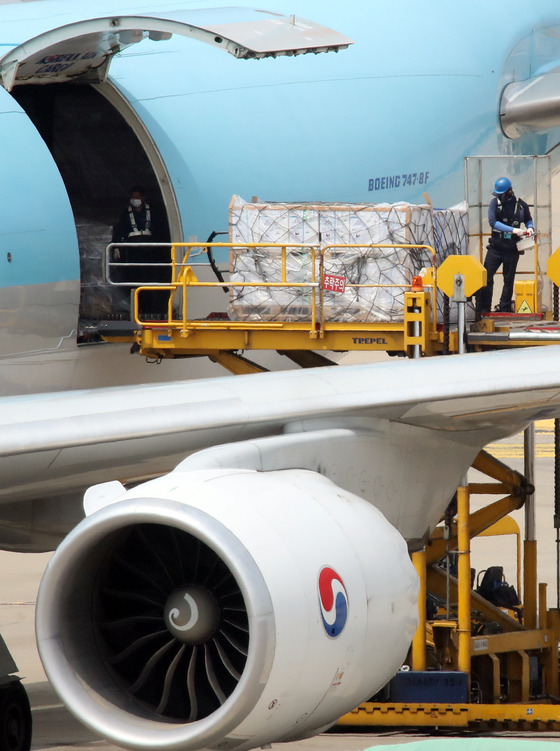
[[225, 609]]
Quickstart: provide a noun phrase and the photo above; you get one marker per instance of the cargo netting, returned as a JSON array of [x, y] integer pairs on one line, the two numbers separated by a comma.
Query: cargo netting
[[324, 225]]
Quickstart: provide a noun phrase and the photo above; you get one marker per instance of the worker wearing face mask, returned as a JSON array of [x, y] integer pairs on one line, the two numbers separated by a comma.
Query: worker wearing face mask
[[135, 222], [506, 214]]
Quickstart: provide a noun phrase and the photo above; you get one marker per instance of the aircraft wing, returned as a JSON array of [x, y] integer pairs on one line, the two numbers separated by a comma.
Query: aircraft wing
[[493, 393], [57, 445]]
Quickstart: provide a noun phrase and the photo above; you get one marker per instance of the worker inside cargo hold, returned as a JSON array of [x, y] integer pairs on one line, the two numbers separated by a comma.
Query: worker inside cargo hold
[[506, 214], [138, 227]]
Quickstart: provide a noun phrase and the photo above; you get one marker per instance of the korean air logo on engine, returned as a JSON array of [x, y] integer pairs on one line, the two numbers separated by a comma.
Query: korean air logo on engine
[[333, 600]]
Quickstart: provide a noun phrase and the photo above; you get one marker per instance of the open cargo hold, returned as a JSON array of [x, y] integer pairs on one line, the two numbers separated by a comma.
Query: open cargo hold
[[326, 224]]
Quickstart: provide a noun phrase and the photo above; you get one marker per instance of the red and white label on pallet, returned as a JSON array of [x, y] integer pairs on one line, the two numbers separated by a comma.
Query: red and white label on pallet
[[332, 283]]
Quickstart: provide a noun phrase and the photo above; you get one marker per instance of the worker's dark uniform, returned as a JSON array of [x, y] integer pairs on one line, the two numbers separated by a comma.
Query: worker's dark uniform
[[502, 249], [134, 228], [134, 225]]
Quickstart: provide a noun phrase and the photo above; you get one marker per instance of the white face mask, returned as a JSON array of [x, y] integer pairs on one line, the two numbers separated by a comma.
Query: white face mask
[[136, 203]]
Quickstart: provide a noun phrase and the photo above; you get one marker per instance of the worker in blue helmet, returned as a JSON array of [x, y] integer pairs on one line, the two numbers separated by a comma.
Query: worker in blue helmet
[[506, 214]]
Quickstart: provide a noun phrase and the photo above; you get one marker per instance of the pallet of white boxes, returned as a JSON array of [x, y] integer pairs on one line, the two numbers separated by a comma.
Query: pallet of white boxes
[[325, 225]]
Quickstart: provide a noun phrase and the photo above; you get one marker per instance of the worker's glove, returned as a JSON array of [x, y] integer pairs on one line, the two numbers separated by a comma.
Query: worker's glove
[[529, 232], [518, 232]]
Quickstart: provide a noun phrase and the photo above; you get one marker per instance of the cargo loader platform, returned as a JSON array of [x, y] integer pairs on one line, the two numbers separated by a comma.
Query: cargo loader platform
[[310, 309], [315, 309]]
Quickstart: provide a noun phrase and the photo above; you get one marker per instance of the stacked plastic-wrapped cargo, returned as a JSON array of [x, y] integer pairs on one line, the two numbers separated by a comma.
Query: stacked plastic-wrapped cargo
[[98, 299], [451, 231], [271, 223], [331, 226], [451, 237], [367, 267], [250, 303], [95, 298]]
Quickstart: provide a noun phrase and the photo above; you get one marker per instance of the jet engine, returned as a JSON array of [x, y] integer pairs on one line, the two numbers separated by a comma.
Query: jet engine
[[225, 609]]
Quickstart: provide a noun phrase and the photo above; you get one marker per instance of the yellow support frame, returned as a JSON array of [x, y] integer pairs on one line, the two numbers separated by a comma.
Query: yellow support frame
[[181, 336], [205, 337], [508, 481], [392, 714], [418, 326], [507, 652]]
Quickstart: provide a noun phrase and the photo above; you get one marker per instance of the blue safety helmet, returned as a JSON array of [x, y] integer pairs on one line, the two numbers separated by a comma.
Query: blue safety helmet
[[501, 186]]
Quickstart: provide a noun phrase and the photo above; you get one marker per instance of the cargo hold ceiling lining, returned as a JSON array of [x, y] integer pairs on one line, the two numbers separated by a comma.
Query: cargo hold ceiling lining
[[83, 51]]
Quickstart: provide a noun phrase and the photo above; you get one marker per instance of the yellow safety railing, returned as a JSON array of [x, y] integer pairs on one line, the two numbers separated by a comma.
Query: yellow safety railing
[[408, 248], [183, 277]]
